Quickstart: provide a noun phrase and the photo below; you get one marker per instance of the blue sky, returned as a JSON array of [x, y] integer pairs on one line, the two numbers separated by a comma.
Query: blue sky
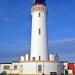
[[15, 28]]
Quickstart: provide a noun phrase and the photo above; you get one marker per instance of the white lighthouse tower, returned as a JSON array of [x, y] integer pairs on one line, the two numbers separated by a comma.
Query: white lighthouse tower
[[39, 43]]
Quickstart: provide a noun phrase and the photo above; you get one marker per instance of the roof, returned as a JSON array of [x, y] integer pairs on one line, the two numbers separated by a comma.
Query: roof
[[5, 63]]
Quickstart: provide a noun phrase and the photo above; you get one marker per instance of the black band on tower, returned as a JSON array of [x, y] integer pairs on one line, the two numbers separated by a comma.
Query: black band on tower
[[39, 2]]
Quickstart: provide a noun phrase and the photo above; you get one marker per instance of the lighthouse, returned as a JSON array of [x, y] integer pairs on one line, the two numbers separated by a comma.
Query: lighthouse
[[38, 61], [39, 43]]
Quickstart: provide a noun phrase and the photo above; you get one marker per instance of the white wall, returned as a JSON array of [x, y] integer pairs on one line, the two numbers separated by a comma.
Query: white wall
[[11, 70], [50, 67], [47, 67], [2, 68], [15, 71], [32, 67], [28, 68], [60, 67], [65, 65]]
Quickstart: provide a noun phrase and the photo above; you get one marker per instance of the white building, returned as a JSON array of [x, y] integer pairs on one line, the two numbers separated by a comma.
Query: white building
[[39, 61]]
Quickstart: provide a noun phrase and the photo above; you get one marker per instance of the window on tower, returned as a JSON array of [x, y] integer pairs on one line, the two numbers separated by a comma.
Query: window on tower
[[33, 58], [39, 31], [39, 14], [39, 57]]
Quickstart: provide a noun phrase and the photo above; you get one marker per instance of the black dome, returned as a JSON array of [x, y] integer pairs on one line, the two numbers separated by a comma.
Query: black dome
[[39, 2]]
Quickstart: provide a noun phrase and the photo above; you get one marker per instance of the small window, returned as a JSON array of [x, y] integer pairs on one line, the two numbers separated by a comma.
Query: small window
[[39, 14], [39, 57], [6, 67], [39, 68], [33, 58], [39, 31], [15, 67]]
